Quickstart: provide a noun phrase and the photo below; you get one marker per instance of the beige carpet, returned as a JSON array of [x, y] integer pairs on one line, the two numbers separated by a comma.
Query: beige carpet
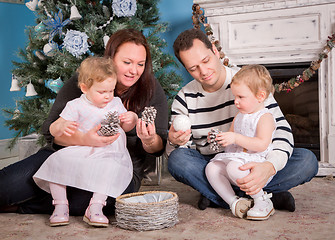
[[314, 218]]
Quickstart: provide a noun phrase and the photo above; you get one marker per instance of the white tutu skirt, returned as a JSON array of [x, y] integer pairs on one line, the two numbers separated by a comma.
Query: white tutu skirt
[[106, 170], [241, 157]]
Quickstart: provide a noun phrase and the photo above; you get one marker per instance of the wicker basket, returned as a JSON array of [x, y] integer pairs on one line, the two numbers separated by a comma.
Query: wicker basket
[[146, 216]]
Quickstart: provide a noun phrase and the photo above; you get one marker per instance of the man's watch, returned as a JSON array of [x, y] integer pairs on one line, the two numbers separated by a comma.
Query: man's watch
[[173, 145]]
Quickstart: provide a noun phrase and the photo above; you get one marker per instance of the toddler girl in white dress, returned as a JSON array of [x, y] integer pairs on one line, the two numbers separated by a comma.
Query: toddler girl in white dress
[[249, 140], [105, 171]]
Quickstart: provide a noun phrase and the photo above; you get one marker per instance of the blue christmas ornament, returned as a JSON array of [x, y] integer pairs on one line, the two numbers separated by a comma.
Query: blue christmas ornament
[[54, 85], [40, 27], [56, 24]]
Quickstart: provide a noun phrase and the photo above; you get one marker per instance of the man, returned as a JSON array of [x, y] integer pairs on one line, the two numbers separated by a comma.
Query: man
[[209, 103]]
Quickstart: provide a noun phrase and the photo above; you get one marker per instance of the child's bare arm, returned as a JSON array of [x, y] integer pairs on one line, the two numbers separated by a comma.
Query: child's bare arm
[[62, 126], [259, 143]]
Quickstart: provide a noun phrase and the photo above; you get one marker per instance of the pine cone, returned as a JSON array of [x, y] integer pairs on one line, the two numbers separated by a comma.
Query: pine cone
[[110, 125], [214, 145], [149, 115]]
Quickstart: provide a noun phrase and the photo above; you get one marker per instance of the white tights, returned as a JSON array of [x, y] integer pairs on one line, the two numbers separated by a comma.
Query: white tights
[[221, 175], [58, 192]]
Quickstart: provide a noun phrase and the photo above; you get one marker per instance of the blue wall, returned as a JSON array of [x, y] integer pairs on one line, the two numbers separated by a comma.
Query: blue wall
[[15, 17]]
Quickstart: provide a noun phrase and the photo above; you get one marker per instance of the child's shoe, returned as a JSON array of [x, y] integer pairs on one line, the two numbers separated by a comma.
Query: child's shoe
[[94, 216], [60, 216], [240, 207], [262, 209]]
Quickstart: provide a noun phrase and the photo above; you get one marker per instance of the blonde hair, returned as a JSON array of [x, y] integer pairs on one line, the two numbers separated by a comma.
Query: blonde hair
[[256, 77], [95, 69]]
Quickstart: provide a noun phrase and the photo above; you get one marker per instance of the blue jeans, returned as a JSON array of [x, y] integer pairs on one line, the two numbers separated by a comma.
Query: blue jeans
[[188, 166]]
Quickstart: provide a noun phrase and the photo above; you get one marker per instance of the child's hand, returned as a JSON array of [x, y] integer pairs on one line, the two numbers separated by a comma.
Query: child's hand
[[128, 118], [68, 127], [226, 138]]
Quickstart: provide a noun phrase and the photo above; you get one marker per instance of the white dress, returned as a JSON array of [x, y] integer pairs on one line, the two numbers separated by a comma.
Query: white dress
[[246, 125], [107, 170]]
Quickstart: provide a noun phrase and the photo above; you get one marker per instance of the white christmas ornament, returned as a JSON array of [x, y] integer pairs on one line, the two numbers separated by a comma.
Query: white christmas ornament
[[16, 112], [181, 122], [32, 5], [75, 15], [30, 90], [49, 49], [106, 38], [39, 55], [15, 84], [40, 3]]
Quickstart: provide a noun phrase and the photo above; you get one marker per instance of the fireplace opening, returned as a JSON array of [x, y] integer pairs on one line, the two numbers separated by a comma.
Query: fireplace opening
[[300, 106]]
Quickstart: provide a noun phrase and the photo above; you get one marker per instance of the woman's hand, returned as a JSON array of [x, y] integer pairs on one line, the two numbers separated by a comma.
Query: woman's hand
[[151, 141], [93, 139], [90, 138], [146, 133]]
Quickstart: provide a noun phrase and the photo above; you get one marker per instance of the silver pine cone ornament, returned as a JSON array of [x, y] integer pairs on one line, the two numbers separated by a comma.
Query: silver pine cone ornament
[[149, 115], [110, 125], [213, 144]]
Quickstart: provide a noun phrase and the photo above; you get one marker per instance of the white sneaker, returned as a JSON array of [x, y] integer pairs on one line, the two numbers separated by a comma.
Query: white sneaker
[[262, 209], [240, 207]]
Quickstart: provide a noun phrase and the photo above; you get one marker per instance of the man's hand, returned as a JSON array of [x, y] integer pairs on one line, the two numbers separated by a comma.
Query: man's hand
[[257, 178], [179, 137]]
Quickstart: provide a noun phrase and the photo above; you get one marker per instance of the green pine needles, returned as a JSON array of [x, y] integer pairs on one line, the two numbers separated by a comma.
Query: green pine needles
[[40, 63]]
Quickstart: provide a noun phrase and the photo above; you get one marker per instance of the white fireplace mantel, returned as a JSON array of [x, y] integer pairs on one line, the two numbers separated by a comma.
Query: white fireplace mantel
[[282, 31]]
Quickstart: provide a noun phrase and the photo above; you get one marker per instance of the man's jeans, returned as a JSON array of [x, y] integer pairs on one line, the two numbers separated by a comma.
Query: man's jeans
[[188, 166]]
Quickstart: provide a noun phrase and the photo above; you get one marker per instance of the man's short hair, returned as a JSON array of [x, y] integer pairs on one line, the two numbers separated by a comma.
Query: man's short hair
[[184, 41]]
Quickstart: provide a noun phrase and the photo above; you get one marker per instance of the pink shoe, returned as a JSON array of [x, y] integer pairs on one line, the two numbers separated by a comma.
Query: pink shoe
[[96, 219], [59, 218]]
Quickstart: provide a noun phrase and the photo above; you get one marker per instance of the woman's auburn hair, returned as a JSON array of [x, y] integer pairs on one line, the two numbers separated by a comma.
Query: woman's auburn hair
[[138, 95]]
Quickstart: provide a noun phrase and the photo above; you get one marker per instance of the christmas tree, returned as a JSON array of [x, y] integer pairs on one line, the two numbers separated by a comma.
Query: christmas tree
[[66, 32]]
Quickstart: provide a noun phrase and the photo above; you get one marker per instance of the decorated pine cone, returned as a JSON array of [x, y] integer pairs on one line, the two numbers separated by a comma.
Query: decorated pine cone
[[214, 145], [194, 7], [149, 115], [315, 65], [110, 125]]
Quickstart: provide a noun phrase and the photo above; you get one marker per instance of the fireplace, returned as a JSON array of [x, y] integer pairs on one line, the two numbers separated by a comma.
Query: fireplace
[[282, 35], [299, 106]]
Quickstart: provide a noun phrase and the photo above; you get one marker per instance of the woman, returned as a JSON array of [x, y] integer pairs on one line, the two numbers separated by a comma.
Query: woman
[[137, 88]]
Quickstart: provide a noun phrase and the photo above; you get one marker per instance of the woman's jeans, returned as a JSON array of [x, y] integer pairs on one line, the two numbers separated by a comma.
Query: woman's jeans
[[17, 187], [188, 166]]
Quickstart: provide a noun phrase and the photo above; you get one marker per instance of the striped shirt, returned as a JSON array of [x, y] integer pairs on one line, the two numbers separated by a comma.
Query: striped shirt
[[217, 110]]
